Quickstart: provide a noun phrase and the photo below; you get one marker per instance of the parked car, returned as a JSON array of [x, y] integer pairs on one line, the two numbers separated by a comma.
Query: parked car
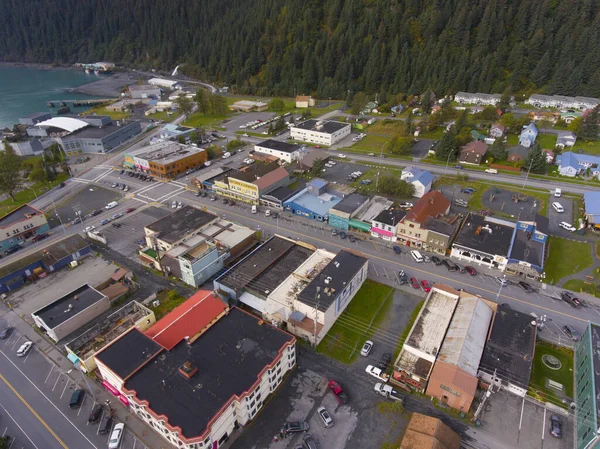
[[468, 190], [415, 283], [555, 426], [295, 427], [105, 424], [116, 216], [114, 184], [24, 349], [571, 332], [6, 332], [377, 373], [129, 210], [472, 271], [425, 285], [174, 205], [90, 228], [116, 436], [450, 266], [526, 287], [558, 207], [366, 349], [491, 170], [95, 414], [386, 358], [116, 225], [458, 167], [405, 205], [77, 398], [105, 221], [426, 258], [12, 250], [568, 226], [460, 268], [39, 237], [402, 278], [309, 441], [501, 281], [338, 392], [325, 417], [570, 298], [436, 260], [96, 212]]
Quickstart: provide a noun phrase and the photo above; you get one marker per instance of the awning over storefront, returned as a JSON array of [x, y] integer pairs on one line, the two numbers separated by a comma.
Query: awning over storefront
[[360, 225]]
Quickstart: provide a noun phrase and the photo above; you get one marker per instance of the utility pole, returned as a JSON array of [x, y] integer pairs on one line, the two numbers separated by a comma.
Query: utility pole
[[527, 175], [317, 296]]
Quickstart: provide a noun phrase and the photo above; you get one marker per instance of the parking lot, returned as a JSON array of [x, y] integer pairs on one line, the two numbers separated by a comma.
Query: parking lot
[[123, 239], [523, 423], [340, 171], [555, 218], [84, 201], [234, 123], [48, 391]]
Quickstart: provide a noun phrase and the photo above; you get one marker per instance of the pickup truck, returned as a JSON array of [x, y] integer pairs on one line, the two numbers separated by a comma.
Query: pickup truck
[[338, 392], [388, 392], [377, 373]]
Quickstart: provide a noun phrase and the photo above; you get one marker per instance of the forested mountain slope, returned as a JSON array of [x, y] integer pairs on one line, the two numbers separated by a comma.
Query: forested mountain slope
[[328, 47]]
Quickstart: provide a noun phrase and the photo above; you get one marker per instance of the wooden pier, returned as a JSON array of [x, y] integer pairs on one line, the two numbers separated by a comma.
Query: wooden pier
[[77, 103]]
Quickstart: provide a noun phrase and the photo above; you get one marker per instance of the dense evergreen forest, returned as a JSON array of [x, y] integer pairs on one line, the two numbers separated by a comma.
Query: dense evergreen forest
[[325, 47]]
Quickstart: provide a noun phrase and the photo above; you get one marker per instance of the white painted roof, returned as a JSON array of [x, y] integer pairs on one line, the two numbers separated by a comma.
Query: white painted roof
[[67, 123]]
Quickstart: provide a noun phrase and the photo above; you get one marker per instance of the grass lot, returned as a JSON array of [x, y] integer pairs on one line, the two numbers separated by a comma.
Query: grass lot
[[370, 144], [345, 338], [27, 195], [164, 116], [101, 110], [169, 299], [565, 258], [475, 202], [436, 134], [581, 286], [545, 140], [389, 127], [372, 176], [198, 120], [541, 372], [590, 146]]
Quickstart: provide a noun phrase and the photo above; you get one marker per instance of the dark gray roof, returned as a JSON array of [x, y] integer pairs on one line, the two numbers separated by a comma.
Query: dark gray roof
[[19, 214], [496, 242], [69, 305], [328, 127], [510, 347], [528, 250], [180, 223], [229, 356], [128, 353], [520, 150], [37, 115], [391, 216], [441, 226], [280, 193], [351, 202], [267, 266], [93, 132], [332, 280], [278, 145]]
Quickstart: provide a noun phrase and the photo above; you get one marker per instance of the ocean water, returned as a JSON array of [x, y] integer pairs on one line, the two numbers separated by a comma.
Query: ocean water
[[25, 90]]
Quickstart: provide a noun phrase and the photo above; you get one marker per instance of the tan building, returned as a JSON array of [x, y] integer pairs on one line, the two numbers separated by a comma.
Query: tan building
[[427, 432], [168, 159], [412, 230], [304, 101], [249, 106], [453, 380], [21, 224]]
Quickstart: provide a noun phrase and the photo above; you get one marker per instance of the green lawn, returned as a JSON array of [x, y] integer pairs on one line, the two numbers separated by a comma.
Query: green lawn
[[565, 258], [198, 120], [164, 116], [371, 175], [290, 104], [436, 133], [588, 146], [344, 339], [101, 110], [28, 195], [547, 141], [169, 299], [541, 372], [370, 144], [581, 286]]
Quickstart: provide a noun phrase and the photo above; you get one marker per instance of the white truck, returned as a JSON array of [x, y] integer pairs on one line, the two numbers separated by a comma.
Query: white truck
[[388, 392], [111, 205]]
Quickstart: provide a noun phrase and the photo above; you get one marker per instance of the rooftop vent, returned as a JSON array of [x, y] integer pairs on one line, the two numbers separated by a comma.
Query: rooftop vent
[[188, 370]]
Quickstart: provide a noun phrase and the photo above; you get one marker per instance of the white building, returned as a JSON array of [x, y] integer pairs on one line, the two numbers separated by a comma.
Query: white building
[[477, 98], [561, 101], [285, 151], [421, 180], [304, 101], [144, 91], [165, 83], [320, 132], [199, 373]]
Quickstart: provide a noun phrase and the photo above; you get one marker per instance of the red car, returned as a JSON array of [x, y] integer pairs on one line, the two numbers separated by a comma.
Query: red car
[[317, 146], [131, 209], [425, 286], [472, 271], [414, 282]]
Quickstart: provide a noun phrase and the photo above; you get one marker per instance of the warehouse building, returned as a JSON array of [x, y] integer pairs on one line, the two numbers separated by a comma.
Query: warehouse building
[[282, 150], [139, 91], [314, 201], [199, 373], [35, 118], [249, 106], [320, 132], [165, 83]]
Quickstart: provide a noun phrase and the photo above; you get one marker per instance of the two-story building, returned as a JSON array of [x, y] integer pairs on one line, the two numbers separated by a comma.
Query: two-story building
[[528, 135], [287, 152], [385, 225], [168, 159], [321, 132], [21, 224], [561, 101], [200, 373], [477, 98], [421, 180], [411, 230], [574, 164]]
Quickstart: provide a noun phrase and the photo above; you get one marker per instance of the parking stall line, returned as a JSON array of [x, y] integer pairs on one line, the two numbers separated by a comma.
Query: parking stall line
[[100, 422], [65, 389], [134, 441], [49, 372], [15, 343], [17, 424], [56, 382], [544, 426], [27, 356], [521, 420]]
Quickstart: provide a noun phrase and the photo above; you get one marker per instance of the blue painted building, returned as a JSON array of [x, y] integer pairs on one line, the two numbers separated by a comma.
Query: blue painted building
[[313, 201], [527, 251], [528, 135], [46, 260]]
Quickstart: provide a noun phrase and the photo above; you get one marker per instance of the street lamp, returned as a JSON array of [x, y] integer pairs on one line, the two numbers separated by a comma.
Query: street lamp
[[502, 282]]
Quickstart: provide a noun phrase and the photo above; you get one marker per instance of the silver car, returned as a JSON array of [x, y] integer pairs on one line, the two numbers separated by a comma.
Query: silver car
[[325, 417], [24, 349]]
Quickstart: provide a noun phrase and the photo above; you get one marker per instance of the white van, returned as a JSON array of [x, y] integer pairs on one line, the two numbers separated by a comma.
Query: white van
[[491, 170], [111, 205], [557, 193], [417, 256], [254, 208], [226, 155]]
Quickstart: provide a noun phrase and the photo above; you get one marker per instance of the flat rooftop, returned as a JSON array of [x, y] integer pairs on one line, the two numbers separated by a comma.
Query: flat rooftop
[[510, 347], [351, 203], [427, 334], [332, 280], [230, 357], [391, 216], [69, 305], [267, 266], [327, 127], [528, 250], [485, 235], [278, 145], [93, 132], [377, 205], [319, 205], [447, 225], [180, 223], [169, 152], [19, 214], [280, 193]]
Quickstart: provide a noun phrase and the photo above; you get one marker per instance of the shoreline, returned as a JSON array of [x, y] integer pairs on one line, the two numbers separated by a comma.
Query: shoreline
[[36, 65]]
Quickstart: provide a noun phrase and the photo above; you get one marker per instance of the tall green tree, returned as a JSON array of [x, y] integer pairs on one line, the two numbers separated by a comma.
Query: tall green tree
[[394, 186], [590, 128], [537, 160], [218, 105], [11, 179], [185, 105], [276, 104], [359, 102], [498, 150], [399, 145], [202, 99], [447, 147]]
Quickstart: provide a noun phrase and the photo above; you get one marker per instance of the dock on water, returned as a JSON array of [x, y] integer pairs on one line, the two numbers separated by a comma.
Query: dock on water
[[77, 103]]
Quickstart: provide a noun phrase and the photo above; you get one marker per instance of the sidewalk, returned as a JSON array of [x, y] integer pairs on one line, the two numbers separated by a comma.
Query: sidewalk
[[141, 430]]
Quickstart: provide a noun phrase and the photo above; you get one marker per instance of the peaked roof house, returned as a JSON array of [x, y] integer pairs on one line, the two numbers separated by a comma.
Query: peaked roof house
[[497, 130], [517, 153], [574, 164], [528, 135], [473, 153], [420, 179], [565, 139]]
